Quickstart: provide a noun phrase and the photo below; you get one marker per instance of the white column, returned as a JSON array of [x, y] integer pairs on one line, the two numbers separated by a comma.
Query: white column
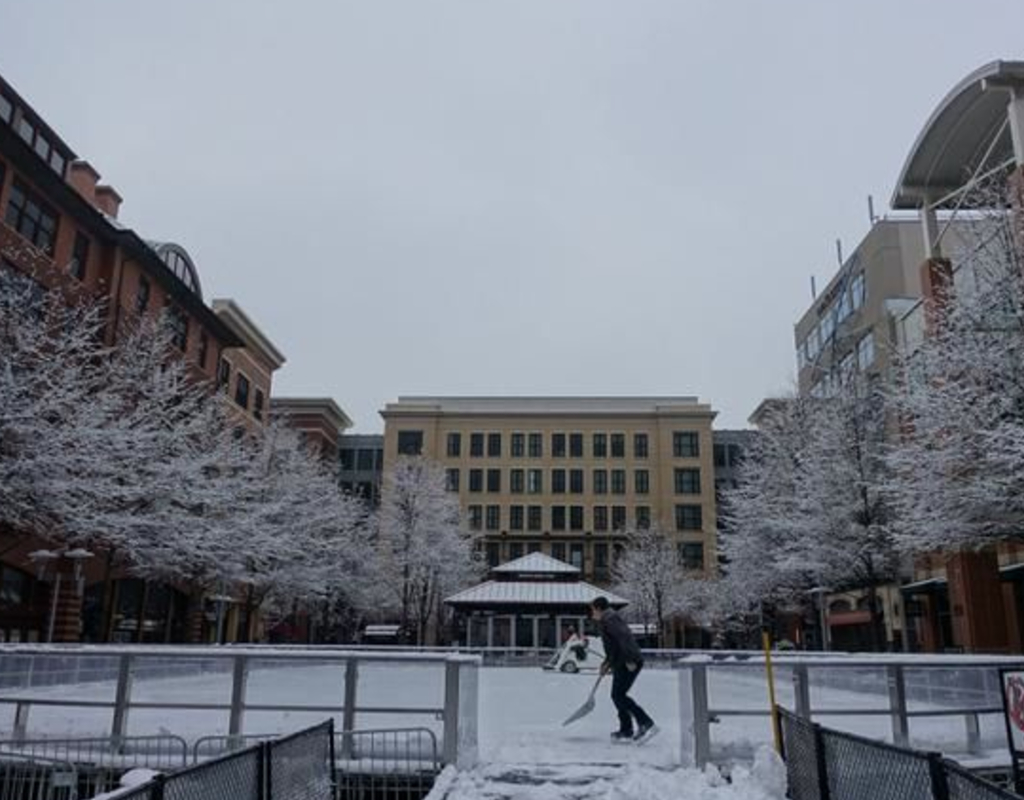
[[1015, 111], [930, 228]]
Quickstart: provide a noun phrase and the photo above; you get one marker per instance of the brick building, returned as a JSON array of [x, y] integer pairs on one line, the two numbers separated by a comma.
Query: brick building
[[60, 231]]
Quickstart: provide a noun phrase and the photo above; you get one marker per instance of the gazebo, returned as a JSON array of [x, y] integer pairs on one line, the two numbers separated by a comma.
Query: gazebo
[[527, 603]]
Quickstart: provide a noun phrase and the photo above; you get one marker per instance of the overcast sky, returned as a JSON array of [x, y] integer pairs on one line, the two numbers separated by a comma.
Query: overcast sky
[[516, 197]]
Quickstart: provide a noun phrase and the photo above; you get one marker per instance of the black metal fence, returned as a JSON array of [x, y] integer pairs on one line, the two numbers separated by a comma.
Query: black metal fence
[[296, 767], [824, 764]]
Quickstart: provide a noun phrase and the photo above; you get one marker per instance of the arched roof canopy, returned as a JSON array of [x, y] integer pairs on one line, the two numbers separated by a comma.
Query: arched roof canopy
[[180, 263], [968, 132]]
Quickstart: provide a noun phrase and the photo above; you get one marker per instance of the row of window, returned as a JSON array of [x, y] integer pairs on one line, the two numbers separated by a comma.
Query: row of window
[[31, 135], [685, 444], [860, 359], [361, 459], [572, 481], [242, 389], [572, 518], [845, 304], [690, 554]]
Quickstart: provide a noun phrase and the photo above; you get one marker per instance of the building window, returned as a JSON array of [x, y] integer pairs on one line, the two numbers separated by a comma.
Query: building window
[[558, 550], [493, 518], [476, 480], [558, 445], [687, 481], [364, 460], [691, 555], [493, 554], [476, 517], [685, 444], [640, 445], [535, 481], [79, 257], [26, 130], [347, 459], [618, 518], [515, 518], [204, 350], [576, 445], [476, 445], [735, 455], [689, 518], [720, 458], [618, 481], [600, 444], [518, 445], [516, 481], [866, 351], [494, 445], [558, 481], [600, 481], [223, 375], [454, 449], [257, 406], [601, 561], [31, 217], [410, 443], [536, 445], [515, 550], [142, 295], [642, 481], [576, 481], [178, 323], [6, 109], [618, 445], [576, 518], [494, 480], [242, 391], [451, 480], [600, 518], [558, 518], [533, 518], [576, 555], [643, 517], [857, 292]]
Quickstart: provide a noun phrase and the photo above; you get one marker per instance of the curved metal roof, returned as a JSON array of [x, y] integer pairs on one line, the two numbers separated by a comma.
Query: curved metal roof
[[180, 263], [956, 137]]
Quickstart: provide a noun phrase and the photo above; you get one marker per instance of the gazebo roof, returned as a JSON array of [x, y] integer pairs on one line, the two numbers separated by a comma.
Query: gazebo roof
[[536, 564], [534, 593]]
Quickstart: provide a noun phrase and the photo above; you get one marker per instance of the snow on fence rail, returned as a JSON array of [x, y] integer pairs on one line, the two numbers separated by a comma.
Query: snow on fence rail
[[196, 691], [897, 698]]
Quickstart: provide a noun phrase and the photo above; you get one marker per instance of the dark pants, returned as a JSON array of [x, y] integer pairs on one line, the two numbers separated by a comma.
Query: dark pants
[[622, 681]]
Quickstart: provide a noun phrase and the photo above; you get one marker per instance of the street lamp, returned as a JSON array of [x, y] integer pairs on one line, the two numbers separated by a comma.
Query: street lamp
[[819, 592], [43, 559]]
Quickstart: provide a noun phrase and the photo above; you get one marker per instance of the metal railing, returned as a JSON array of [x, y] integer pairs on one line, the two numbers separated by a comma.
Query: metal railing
[[38, 779], [392, 764], [164, 751], [897, 688], [824, 764], [112, 677]]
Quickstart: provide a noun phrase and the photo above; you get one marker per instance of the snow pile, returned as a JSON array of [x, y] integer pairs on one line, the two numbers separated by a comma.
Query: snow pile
[[635, 781], [129, 781]]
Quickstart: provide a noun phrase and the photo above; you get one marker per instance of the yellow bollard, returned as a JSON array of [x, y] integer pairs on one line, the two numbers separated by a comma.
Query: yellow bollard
[[767, 644]]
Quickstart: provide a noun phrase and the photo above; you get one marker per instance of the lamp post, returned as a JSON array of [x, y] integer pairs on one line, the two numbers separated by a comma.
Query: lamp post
[[43, 560], [819, 593]]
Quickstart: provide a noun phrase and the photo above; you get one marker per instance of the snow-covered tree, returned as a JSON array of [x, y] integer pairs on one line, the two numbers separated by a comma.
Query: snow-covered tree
[[648, 573], [811, 509], [426, 551], [960, 460]]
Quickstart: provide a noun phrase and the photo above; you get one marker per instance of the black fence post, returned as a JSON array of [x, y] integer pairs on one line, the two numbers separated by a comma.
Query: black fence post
[[331, 766], [937, 770], [821, 761], [157, 790], [265, 771]]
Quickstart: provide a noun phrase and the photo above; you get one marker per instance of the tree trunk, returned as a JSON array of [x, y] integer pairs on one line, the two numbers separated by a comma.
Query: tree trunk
[[140, 615], [109, 599]]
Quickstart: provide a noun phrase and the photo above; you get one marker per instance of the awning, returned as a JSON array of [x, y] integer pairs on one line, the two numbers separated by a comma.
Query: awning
[[928, 586]]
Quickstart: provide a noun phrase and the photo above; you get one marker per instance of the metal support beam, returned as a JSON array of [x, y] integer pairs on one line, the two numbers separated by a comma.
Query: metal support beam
[[1015, 113], [239, 681], [898, 704], [930, 229]]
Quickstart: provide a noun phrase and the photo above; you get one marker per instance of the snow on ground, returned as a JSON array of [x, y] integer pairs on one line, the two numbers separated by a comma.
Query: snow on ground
[[766, 780]]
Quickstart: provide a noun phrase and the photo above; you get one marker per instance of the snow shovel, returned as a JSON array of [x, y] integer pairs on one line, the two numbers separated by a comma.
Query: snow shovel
[[587, 706]]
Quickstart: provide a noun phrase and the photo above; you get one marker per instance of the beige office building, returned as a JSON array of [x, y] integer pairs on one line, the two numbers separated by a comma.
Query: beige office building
[[566, 476]]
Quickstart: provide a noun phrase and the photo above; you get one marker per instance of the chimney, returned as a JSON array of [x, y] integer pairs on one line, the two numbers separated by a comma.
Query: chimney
[[107, 200], [83, 177]]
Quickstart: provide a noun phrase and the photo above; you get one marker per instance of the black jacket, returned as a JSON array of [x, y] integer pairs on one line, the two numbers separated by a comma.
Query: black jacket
[[620, 647]]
